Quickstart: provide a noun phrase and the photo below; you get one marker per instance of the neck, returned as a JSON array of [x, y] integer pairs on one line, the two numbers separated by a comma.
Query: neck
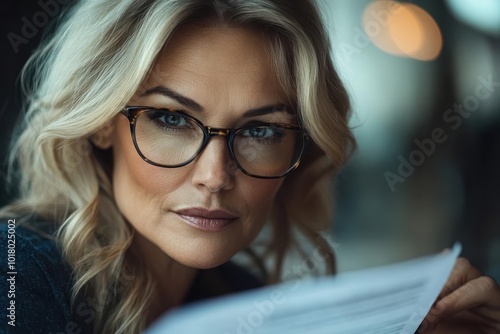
[[172, 280]]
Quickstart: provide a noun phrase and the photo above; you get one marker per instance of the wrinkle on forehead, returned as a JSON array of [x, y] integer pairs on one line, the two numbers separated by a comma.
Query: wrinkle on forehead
[[220, 66]]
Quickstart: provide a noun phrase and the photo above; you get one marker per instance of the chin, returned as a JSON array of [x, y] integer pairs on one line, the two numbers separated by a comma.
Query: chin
[[204, 262]]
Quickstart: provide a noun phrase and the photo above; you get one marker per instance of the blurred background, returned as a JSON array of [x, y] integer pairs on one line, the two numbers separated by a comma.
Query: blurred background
[[424, 79]]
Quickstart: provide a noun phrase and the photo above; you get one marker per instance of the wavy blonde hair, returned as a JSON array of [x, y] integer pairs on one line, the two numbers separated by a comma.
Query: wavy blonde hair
[[90, 68]]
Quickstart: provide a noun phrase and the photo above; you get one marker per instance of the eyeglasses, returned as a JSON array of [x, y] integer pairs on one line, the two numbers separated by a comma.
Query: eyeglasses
[[170, 138]]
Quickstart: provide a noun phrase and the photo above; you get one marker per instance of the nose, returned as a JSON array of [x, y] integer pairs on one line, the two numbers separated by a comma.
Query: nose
[[212, 167]]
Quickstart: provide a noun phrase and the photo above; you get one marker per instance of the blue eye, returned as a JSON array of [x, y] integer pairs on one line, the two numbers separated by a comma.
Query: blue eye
[[169, 120], [260, 132], [263, 134], [174, 120]]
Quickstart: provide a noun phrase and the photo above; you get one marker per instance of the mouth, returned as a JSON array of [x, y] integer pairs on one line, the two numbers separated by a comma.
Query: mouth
[[207, 220]]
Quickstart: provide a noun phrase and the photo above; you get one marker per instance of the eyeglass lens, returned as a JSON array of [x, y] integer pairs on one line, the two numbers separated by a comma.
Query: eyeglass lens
[[171, 139]]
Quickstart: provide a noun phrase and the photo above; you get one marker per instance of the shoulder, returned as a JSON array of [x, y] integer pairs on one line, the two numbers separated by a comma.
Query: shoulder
[[30, 244], [32, 252], [39, 281]]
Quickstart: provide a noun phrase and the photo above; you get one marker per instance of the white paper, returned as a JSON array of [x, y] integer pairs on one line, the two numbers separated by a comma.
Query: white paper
[[391, 299]]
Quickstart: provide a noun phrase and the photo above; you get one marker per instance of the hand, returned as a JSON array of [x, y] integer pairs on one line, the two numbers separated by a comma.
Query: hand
[[469, 303]]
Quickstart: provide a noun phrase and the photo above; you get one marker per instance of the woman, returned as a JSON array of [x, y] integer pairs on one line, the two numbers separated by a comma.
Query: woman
[[160, 138]]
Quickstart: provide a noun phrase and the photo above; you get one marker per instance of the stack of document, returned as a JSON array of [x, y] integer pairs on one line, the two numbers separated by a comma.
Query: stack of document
[[391, 299]]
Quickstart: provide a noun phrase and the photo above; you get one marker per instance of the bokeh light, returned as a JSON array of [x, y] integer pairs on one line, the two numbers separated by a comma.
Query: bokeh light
[[403, 29]]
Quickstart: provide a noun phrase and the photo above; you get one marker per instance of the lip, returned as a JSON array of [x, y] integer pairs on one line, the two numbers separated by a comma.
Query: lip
[[207, 220]]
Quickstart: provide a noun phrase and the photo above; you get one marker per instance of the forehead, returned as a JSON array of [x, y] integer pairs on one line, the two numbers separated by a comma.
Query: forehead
[[240, 48], [219, 58]]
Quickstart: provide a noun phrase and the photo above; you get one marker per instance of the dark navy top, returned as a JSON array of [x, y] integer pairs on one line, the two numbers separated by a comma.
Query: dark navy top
[[35, 293]]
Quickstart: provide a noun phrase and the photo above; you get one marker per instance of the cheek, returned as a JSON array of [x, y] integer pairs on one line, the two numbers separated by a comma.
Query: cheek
[[259, 190], [139, 187], [259, 196]]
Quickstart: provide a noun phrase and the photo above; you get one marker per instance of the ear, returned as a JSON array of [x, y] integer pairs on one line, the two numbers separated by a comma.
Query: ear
[[103, 137]]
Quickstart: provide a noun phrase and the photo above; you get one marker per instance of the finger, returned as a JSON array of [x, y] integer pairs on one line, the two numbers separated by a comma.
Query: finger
[[462, 273], [482, 291]]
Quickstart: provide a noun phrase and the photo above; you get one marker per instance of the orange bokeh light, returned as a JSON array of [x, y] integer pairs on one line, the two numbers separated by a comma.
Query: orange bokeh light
[[403, 29]]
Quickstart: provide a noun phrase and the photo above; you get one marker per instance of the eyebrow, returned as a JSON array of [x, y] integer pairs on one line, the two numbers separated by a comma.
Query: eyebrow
[[266, 110], [185, 101], [193, 105]]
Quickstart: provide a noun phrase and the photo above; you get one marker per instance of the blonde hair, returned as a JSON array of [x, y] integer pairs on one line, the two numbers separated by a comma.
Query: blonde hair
[[88, 71]]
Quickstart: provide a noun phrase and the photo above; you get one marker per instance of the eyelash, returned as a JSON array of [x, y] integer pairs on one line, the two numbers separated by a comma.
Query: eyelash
[[163, 125], [277, 136]]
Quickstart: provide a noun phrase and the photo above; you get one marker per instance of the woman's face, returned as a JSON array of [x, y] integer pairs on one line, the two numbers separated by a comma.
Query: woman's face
[[201, 214]]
